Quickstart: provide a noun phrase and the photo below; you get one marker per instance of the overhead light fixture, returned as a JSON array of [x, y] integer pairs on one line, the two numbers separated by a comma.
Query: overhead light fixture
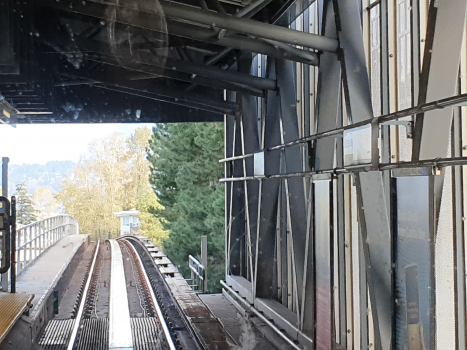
[[8, 113]]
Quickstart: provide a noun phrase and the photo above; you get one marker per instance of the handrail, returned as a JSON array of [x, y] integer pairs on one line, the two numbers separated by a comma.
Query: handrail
[[34, 239], [198, 271]]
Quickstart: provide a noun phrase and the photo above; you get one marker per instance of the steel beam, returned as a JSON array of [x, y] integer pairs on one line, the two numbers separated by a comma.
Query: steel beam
[[142, 61], [295, 189], [355, 71], [248, 27], [269, 195], [328, 103], [441, 71], [160, 98], [151, 21], [250, 144], [118, 80]]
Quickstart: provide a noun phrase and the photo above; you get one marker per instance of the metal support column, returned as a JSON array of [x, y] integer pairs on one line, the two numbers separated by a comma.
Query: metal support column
[[5, 161]]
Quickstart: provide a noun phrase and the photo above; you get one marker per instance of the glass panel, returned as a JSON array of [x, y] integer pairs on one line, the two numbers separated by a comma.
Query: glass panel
[[413, 264], [444, 270], [404, 72], [375, 60], [126, 221], [323, 264]]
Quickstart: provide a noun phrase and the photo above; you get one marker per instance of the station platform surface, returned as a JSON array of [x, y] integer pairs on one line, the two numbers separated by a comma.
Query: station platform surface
[[242, 331], [12, 306], [43, 274]]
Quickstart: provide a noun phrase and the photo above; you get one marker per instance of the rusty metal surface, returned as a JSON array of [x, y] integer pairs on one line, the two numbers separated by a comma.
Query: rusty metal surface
[[199, 315], [12, 307]]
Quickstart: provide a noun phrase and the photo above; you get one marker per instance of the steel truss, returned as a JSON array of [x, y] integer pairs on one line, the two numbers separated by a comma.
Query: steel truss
[[344, 189]]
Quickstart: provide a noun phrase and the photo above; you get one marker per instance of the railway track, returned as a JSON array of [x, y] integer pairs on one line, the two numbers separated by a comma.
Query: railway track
[[118, 307]]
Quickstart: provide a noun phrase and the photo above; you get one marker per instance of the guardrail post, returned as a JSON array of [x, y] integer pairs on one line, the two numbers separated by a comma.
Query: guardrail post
[[5, 194], [204, 261]]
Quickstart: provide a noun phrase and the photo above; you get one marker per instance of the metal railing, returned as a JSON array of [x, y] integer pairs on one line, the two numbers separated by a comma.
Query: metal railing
[[198, 273], [33, 239]]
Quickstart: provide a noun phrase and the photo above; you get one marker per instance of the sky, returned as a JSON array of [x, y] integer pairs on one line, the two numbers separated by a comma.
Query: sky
[[42, 143]]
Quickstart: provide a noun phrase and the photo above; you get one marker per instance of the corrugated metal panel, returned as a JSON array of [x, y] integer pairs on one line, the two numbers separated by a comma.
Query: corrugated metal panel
[[11, 308]]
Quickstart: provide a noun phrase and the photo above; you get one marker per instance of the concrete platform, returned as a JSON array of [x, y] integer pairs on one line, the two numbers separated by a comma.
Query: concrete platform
[[43, 274], [241, 328], [47, 279]]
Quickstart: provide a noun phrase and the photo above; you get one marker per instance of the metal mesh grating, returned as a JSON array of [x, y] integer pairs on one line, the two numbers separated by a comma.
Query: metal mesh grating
[[147, 334], [56, 334], [94, 334]]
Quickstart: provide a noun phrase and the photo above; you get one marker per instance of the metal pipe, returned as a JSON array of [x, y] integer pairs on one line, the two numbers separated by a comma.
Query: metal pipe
[[248, 27], [194, 68], [261, 316], [13, 245], [252, 8], [453, 101], [435, 163], [147, 21], [305, 54]]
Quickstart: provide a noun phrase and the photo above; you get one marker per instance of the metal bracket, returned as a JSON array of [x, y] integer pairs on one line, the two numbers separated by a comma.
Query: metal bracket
[[408, 126]]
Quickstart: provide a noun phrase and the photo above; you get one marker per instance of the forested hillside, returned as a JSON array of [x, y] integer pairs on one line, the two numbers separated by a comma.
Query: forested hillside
[[113, 175], [35, 176], [184, 175]]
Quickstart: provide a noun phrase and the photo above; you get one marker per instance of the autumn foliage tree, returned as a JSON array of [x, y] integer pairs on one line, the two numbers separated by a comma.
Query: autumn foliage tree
[[45, 203], [110, 177]]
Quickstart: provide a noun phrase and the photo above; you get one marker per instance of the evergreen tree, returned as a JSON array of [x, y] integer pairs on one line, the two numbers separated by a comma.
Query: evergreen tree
[[184, 175], [25, 212]]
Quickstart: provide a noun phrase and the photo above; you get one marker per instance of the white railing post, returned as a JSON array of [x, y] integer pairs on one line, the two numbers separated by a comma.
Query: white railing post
[[37, 237]]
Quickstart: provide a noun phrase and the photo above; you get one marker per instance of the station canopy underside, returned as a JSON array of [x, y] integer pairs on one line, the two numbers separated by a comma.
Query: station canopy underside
[[140, 61]]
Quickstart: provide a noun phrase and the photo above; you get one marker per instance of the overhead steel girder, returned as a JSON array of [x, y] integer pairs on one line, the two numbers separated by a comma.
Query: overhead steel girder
[[165, 93], [160, 98], [147, 20], [152, 72], [136, 60], [239, 42], [267, 47], [248, 27]]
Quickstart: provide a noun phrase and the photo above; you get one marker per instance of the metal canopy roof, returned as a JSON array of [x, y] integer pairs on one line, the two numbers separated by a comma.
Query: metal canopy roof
[[97, 61]]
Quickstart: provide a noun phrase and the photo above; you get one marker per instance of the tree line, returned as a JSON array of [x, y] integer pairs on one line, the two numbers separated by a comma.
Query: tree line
[[169, 174], [185, 170]]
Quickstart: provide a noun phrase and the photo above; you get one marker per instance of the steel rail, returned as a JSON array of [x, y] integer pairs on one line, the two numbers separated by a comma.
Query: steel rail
[[453, 101], [159, 313], [79, 315]]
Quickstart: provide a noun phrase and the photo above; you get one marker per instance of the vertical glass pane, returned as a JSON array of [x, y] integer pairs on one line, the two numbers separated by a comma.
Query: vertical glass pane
[[404, 71], [444, 270], [323, 264], [413, 264], [375, 60], [356, 270]]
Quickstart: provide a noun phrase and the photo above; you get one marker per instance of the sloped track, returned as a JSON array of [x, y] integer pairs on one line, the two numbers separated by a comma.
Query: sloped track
[[91, 327]]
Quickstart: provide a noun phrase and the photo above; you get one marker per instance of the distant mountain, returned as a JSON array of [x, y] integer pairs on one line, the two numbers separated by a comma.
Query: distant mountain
[[48, 175]]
